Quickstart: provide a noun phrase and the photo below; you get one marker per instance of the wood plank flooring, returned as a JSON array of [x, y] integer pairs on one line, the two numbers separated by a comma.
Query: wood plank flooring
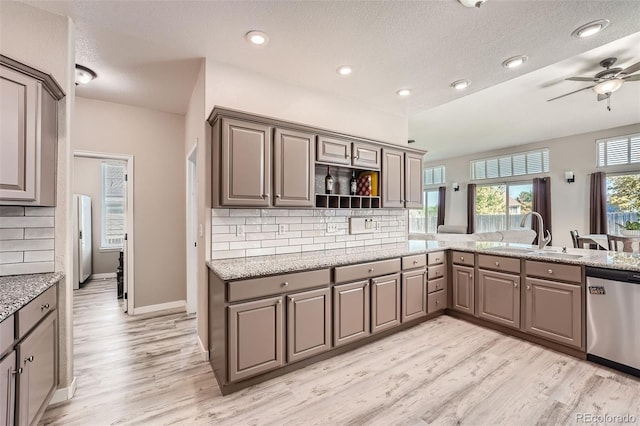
[[148, 370]]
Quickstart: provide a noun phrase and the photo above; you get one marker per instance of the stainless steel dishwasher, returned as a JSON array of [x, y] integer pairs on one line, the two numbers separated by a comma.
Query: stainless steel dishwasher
[[613, 318]]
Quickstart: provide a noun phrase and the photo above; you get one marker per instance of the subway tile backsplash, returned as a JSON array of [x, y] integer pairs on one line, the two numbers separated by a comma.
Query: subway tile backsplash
[[26, 240], [304, 230]]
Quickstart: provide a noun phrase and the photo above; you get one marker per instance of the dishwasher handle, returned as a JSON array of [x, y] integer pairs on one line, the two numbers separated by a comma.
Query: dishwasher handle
[[635, 278], [613, 274]]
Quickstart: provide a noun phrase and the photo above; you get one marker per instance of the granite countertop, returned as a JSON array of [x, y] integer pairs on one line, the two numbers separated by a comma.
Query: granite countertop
[[18, 290], [234, 269]]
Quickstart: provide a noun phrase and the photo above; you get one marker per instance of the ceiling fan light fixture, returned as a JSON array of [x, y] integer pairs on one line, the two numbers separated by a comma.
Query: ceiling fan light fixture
[[515, 61], [471, 3], [590, 28], [257, 38], [84, 75], [608, 86], [460, 84]]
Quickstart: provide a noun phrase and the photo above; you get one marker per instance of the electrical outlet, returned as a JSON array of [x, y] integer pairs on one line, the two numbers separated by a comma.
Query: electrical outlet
[[240, 231], [282, 228], [332, 227]]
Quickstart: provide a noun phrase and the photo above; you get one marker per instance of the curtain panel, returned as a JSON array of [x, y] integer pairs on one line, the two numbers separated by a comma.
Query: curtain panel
[[598, 204], [442, 196], [471, 208], [542, 205]]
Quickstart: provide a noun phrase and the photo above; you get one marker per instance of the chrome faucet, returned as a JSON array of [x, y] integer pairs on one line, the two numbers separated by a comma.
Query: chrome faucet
[[542, 242]]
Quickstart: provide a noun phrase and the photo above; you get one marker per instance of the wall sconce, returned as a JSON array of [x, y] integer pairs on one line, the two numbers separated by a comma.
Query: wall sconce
[[455, 186], [569, 176]]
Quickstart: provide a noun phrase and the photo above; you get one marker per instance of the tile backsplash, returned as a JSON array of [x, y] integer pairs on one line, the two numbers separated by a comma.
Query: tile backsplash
[[304, 230], [26, 240]]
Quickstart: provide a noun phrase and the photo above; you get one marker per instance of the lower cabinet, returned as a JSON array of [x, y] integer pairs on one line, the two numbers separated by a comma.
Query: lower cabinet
[[255, 337], [38, 380], [350, 312], [554, 311], [499, 297], [385, 302], [463, 289], [414, 295], [7, 388], [308, 324]]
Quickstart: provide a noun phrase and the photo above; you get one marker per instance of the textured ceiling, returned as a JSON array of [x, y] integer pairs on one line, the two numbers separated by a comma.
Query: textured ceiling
[[146, 51]]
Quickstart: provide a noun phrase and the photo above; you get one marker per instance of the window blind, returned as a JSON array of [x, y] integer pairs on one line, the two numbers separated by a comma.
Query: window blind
[[434, 175], [518, 164], [618, 150]]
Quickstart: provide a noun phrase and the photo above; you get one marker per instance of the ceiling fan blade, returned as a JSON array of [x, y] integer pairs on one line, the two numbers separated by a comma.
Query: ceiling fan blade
[[570, 93], [581, 79], [631, 69], [603, 97], [632, 77]]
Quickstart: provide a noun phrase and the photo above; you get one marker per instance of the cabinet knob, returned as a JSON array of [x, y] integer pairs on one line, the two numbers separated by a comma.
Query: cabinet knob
[[497, 263], [292, 299], [285, 284], [265, 195], [44, 307], [28, 359], [515, 285], [550, 271], [277, 195], [462, 258], [16, 372], [471, 277], [529, 287], [371, 270], [279, 301], [437, 259], [415, 262], [437, 302]]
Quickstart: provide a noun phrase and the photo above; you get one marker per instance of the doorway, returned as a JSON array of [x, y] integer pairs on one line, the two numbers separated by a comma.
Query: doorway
[[115, 214], [192, 231]]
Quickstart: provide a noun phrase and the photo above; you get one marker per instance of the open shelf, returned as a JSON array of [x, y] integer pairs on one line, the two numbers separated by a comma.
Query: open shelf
[[341, 199], [337, 201]]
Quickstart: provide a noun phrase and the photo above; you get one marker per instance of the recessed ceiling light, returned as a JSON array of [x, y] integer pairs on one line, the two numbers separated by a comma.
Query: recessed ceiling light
[[403, 92], [471, 3], [590, 28], [84, 75], [514, 62], [344, 70], [460, 84], [257, 38]]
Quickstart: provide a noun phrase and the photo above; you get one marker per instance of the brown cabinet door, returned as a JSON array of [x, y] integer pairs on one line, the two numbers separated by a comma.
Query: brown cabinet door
[[366, 156], [413, 181], [463, 289], [245, 177], [37, 356], [7, 388], [385, 302], [392, 178], [414, 295], [499, 298], [554, 311], [255, 337], [294, 169], [350, 312], [308, 324], [334, 151]]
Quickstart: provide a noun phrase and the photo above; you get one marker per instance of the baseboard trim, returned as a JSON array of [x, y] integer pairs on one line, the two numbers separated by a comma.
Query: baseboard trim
[[203, 351], [177, 304], [64, 394], [102, 276]]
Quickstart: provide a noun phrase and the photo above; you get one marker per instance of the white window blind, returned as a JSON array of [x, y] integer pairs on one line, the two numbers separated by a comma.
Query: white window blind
[[113, 205], [434, 175], [522, 163], [619, 150]]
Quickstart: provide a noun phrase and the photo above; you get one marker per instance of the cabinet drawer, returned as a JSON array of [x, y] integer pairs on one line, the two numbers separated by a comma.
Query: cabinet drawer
[[331, 150], [436, 272], [366, 270], [6, 334], [436, 285], [499, 263], [267, 286], [462, 258], [436, 301], [554, 271], [416, 261], [435, 258], [35, 310]]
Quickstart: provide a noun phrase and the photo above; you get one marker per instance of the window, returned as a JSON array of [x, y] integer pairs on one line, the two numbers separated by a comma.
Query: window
[[623, 200], [620, 150], [523, 163], [434, 175], [425, 220], [500, 207], [113, 205]]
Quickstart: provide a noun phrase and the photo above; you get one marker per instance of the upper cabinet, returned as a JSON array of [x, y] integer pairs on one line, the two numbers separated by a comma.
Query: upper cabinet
[[365, 155], [392, 178], [294, 163], [28, 135], [413, 181], [347, 153]]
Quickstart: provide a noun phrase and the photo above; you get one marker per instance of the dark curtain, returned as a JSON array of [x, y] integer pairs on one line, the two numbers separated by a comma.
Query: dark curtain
[[598, 204], [542, 205], [442, 196], [471, 208]]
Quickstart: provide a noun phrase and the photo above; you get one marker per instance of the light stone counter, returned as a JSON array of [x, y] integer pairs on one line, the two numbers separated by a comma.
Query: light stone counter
[[18, 290], [251, 267]]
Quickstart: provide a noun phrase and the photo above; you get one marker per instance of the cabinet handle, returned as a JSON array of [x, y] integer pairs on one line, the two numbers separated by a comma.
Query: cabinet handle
[[529, 287], [462, 258], [470, 277], [415, 262], [437, 302], [497, 263], [279, 302], [277, 195], [371, 270], [285, 284], [17, 372], [28, 359], [437, 259], [515, 285], [291, 299], [550, 271], [44, 307]]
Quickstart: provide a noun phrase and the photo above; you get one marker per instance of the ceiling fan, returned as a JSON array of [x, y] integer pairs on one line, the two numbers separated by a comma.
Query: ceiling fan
[[606, 82]]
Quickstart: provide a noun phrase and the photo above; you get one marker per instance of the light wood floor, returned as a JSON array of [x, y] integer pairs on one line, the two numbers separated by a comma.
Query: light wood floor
[[147, 370]]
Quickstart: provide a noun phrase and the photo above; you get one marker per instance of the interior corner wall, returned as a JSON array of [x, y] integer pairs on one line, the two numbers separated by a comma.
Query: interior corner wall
[[232, 87], [156, 141], [569, 201], [195, 133]]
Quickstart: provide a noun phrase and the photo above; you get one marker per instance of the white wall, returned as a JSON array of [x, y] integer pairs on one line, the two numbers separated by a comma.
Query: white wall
[[235, 88], [569, 202], [156, 141]]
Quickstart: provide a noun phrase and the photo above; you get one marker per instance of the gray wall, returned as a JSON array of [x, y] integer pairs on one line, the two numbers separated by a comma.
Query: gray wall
[[87, 180]]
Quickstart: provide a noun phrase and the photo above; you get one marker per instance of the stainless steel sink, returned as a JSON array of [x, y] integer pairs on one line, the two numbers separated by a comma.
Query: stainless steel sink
[[556, 255]]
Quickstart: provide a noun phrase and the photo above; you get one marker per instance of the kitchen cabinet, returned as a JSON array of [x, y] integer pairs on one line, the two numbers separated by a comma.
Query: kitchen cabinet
[[28, 134], [294, 168], [350, 312], [308, 324], [333, 150], [463, 287], [414, 294], [8, 388], [414, 193], [385, 302], [436, 282], [392, 178], [255, 337], [366, 156], [499, 297]]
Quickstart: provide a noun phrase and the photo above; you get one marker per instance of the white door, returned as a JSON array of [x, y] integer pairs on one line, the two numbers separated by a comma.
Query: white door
[[192, 232], [84, 237]]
